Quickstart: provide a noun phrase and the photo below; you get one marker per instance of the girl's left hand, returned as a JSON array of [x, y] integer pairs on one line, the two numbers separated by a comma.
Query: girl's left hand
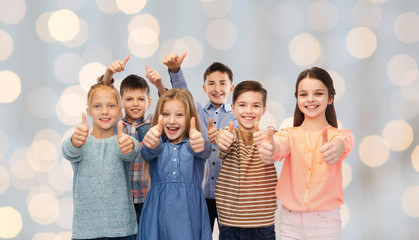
[[126, 144], [196, 140], [329, 150]]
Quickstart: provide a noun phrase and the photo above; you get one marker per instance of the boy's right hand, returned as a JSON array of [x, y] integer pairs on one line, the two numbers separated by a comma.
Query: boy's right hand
[[267, 148], [118, 65], [212, 131], [152, 137], [80, 133], [226, 138], [173, 61]]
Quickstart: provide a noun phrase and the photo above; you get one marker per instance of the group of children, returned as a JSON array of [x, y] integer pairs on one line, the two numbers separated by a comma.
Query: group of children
[[171, 175]]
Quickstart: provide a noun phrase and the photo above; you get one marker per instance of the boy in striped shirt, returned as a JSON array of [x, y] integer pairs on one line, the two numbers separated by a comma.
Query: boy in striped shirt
[[245, 190]]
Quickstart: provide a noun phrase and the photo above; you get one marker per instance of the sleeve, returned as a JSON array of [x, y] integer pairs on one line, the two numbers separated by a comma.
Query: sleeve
[[348, 140], [178, 80], [100, 79], [130, 157], [70, 152], [150, 154], [282, 146]]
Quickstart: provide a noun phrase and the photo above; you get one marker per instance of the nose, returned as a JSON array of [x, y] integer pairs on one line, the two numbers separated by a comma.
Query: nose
[[171, 119], [105, 111], [310, 97], [135, 103], [248, 109], [217, 87]]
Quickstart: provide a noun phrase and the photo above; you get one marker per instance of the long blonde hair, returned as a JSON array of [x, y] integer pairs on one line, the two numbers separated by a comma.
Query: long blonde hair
[[186, 98]]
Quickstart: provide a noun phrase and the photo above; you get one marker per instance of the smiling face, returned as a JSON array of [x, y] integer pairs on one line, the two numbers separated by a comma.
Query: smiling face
[[313, 98], [104, 111], [135, 102], [248, 108], [218, 85], [174, 120]]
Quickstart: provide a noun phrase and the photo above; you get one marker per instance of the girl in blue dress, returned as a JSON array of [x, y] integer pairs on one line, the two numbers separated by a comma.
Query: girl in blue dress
[[175, 206]]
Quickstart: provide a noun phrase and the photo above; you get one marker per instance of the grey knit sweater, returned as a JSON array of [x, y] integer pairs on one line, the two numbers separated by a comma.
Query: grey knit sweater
[[102, 196]]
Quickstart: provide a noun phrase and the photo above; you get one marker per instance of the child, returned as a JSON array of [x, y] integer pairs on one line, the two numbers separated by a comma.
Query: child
[[101, 186], [216, 114], [176, 151], [135, 94], [244, 193], [310, 184]]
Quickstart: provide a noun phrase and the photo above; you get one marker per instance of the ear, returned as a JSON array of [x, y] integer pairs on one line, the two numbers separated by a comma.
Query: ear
[[331, 98], [149, 103], [204, 88], [263, 110], [232, 109], [88, 112], [232, 88]]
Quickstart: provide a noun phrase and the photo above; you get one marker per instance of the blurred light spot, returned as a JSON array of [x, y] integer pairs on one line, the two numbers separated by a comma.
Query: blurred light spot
[[255, 49], [322, 15], [66, 168], [10, 86], [67, 66], [415, 158], [19, 165], [73, 5], [398, 134], [4, 146], [131, 6], [402, 70], [89, 73], [65, 217], [366, 14], [72, 103], [43, 236], [143, 36], [63, 236], [59, 180], [338, 83], [12, 12], [81, 36], [63, 25], [142, 51], [267, 120], [221, 34], [42, 28], [374, 151], [140, 45], [345, 214], [216, 8], [185, 44], [402, 107], [411, 92], [4, 180], [10, 222], [283, 14], [361, 42], [6, 43], [97, 53], [49, 135], [43, 206], [278, 110], [304, 49], [410, 201], [347, 174], [41, 102], [288, 122], [42, 155], [406, 27], [107, 6], [144, 20]]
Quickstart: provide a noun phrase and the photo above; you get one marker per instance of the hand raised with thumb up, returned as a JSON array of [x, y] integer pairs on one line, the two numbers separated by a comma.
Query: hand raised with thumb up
[[226, 138], [331, 151], [80, 133], [152, 137], [126, 144], [258, 136], [173, 61], [196, 140], [267, 148], [212, 131]]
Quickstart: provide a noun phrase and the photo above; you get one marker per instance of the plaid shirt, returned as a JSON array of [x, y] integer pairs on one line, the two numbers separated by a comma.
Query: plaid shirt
[[139, 172]]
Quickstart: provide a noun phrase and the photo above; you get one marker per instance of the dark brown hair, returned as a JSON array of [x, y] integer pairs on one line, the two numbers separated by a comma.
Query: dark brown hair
[[218, 67], [247, 86], [134, 82]]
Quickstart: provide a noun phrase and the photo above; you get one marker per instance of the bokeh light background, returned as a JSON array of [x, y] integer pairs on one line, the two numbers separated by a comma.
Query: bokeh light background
[[52, 51]]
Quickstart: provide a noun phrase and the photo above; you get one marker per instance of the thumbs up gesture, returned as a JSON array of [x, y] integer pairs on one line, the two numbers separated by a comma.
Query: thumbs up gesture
[[195, 138], [329, 151], [152, 137], [126, 144], [259, 136], [212, 131], [118, 65], [80, 133], [173, 61], [226, 138], [267, 148]]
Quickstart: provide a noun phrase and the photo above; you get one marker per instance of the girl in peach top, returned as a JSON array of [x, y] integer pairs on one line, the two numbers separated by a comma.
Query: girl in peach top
[[310, 184]]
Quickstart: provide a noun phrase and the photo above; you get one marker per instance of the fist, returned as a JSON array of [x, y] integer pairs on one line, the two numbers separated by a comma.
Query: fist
[[126, 144], [152, 137], [196, 140], [80, 133], [226, 138]]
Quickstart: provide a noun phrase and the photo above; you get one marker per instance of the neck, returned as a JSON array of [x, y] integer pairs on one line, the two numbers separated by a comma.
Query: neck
[[314, 124], [216, 105], [99, 133]]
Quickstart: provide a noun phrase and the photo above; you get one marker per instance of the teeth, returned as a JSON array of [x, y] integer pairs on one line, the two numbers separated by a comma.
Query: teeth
[[311, 107]]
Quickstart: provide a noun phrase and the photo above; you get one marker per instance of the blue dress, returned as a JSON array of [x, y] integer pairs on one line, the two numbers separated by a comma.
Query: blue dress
[[175, 206]]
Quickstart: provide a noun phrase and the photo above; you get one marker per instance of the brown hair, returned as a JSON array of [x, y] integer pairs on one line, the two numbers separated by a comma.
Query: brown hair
[[249, 85], [134, 82], [323, 76], [102, 86], [186, 98], [218, 67]]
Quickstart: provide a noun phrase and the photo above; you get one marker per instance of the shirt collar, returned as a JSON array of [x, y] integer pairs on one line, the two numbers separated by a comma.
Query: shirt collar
[[167, 140], [226, 106], [136, 123]]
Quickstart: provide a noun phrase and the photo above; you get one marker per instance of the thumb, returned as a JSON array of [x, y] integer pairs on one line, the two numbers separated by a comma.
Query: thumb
[[324, 139], [257, 126], [120, 128], [270, 133], [231, 127], [193, 124], [84, 119], [147, 68], [183, 56], [160, 124], [126, 59], [210, 123]]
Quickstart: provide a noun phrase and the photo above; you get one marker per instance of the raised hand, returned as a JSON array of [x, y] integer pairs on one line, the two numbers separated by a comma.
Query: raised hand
[[196, 140], [267, 148], [258, 136], [212, 131], [152, 137], [118, 65], [80, 133], [173, 61], [226, 138], [126, 144], [328, 150]]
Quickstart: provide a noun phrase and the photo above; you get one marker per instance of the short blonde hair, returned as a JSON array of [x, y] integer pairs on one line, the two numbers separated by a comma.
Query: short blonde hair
[[102, 86]]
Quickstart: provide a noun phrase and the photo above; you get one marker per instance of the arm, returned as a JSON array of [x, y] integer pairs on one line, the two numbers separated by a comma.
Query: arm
[[173, 62], [154, 77], [150, 154], [70, 152], [338, 147], [224, 139], [131, 156], [116, 66]]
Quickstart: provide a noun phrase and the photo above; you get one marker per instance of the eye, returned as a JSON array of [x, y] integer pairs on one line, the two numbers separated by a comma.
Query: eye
[[179, 114], [165, 114], [128, 99], [96, 106], [112, 105], [142, 99], [319, 94], [302, 94]]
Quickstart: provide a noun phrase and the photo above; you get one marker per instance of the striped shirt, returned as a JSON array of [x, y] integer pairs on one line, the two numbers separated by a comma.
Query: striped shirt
[[245, 190]]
